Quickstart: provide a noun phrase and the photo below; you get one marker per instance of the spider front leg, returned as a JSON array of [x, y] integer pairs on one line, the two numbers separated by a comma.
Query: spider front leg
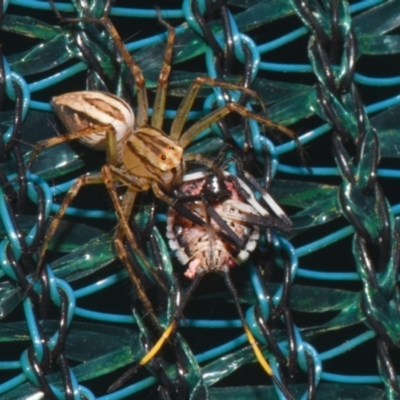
[[79, 183], [71, 194], [181, 116], [44, 144], [162, 84], [190, 134], [123, 231], [142, 101], [127, 203]]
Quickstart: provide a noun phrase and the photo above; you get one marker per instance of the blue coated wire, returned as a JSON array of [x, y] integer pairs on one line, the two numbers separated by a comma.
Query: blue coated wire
[[260, 142]]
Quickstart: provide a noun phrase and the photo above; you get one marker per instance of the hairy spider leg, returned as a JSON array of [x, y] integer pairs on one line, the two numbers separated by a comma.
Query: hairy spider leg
[[199, 126], [105, 177], [68, 137], [71, 194], [185, 138], [140, 84], [162, 84]]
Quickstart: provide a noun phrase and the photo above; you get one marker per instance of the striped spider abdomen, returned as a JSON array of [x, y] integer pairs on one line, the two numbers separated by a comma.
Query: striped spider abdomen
[[86, 109]]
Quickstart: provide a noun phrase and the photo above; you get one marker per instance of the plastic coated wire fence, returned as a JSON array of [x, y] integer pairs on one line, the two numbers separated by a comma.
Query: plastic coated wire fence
[[335, 324]]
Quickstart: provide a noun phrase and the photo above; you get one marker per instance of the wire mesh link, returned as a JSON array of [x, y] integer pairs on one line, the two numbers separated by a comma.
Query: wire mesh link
[[67, 346], [360, 195], [221, 67]]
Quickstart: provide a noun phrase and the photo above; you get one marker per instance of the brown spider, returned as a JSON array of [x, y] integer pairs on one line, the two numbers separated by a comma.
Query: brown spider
[[139, 155]]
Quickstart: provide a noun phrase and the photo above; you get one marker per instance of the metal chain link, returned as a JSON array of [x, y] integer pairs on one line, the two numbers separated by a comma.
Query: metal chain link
[[46, 354], [223, 52], [355, 146]]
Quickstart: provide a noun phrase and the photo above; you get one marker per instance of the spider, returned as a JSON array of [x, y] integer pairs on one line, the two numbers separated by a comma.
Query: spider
[[139, 154], [227, 231]]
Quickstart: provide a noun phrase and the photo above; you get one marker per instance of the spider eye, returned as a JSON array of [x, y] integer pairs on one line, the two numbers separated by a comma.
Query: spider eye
[[172, 148], [163, 157]]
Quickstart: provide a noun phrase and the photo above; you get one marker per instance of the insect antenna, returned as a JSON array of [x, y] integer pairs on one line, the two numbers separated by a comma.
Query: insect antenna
[[251, 338], [160, 342]]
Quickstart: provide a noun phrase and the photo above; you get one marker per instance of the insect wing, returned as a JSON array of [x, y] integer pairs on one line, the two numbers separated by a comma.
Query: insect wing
[[247, 215]]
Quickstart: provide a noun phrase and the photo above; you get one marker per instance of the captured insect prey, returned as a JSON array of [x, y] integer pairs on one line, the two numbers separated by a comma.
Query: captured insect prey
[[213, 226], [230, 230]]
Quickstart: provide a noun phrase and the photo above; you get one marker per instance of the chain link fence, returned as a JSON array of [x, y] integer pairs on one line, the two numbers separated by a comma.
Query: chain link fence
[[322, 301]]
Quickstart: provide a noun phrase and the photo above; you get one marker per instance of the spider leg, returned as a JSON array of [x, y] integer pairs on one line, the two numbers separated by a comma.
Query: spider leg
[[123, 255], [123, 231], [189, 135], [43, 144], [71, 194], [110, 175], [187, 102], [128, 200], [142, 102], [162, 84]]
